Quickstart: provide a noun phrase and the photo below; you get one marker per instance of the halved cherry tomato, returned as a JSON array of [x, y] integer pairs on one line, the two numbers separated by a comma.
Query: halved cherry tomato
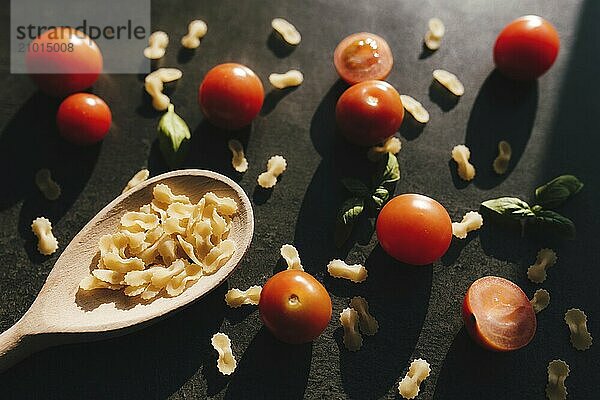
[[295, 306], [63, 60], [83, 118], [231, 95], [363, 56], [526, 48], [498, 315], [414, 229], [369, 112]]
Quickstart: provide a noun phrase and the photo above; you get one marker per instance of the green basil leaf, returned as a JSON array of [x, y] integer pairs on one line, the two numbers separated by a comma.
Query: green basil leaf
[[351, 209], [557, 191], [356, 187], [556, 223], [380, 196], [510, 206], [388, 170], [173, 137]]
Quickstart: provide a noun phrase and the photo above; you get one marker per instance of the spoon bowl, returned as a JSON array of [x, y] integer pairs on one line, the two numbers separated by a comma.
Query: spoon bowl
[[63, 313]]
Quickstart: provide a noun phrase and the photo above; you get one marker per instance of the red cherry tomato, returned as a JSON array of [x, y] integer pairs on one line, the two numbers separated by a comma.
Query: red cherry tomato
[[361, 57], [83, 118], [369, 112], [63, 60], [414, 229], [526, 48], [231, 95], [498, 315], [295, 306]]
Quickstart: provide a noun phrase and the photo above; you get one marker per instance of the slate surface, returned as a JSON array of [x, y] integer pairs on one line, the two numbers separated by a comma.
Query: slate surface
[[552, 124]]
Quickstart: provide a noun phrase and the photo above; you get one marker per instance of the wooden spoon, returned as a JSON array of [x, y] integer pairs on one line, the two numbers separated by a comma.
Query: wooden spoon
[[62, 313]]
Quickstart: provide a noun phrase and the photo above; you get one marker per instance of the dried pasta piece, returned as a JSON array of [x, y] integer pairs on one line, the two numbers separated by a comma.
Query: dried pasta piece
[[196, 30], [275, 167], [416, 109], [168, 250], [162, 193], [431, 42], [410, 385], [291, 257], [558, 371], [154, 83], [368, 324], [449, 81], [42, 228], [339, 269], [391, 145], [48, 186], [138, 178], [224, 205], [120, 264], [352, 337], [540, 300], [461, 154], [236, 298], [581, 338], [131, 219], [435, 33], [291, 78], [188, 249], [226, 362], [470, 222], [501, 162], [109, 276], [238, 160], [158, 42], [218, 256], [91, 282], [288, 32], [544, 260]]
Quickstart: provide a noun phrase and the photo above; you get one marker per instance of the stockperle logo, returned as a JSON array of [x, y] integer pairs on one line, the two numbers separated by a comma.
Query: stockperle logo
[[119, 28]]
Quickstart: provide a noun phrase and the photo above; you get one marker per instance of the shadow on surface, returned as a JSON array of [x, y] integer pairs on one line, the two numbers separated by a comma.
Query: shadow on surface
[[274, 97], [411, 128], [152, 363], [278, 46], [270, 369], [398, 297], [503, 110], [442, 96]]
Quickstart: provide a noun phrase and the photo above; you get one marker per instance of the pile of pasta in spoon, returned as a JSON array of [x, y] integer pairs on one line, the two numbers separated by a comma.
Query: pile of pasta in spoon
[[166, 246]]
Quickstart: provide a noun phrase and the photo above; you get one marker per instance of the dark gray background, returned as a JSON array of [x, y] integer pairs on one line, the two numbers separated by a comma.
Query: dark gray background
[[552, 125]]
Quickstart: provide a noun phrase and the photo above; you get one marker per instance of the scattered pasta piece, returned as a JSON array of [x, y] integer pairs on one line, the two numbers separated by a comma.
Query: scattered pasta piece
[[154, 84], [501, 162], [436, 27], [138, 178], [352, 337], [449, 81], [415, 108], [431, 42], [558, 370], [461, 154], [158, 42], [291, 78], [339, 269], [410, 385], [288, 32], [544, 260], [226, 362], [391, 145], [540, 300], [196, 31], [166, 246], [42, 228], [49, 188], [238, 161], [275, 167], [581, 338], [291, 257], [368, 324], [236, 298], [470, 222]]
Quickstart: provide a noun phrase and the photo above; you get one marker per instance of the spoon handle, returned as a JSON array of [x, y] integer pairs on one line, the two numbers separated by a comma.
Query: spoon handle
[[17, 343]]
